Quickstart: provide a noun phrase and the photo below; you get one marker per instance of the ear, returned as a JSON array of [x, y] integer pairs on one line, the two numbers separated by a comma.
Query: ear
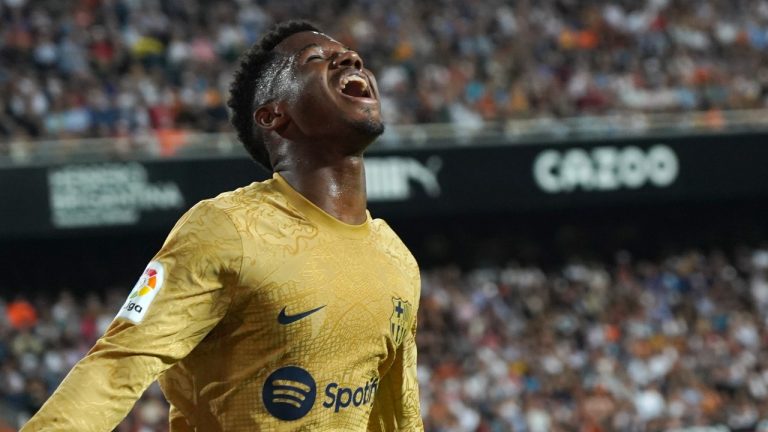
[[270, 117]]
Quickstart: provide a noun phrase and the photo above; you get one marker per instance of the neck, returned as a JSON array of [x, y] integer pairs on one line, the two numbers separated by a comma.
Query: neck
[[338, 187]]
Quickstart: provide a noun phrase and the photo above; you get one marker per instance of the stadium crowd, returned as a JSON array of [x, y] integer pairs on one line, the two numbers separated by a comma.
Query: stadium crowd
[[121, 68], [585, 347]]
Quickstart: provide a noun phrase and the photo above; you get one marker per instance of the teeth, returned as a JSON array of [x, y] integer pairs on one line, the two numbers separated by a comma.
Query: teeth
[[346, 80]]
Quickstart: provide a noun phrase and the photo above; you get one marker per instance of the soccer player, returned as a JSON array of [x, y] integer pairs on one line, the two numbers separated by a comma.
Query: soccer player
[[281, 305]]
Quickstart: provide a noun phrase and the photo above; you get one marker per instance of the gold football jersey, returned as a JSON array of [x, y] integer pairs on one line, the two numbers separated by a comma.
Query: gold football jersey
[[260, 312]]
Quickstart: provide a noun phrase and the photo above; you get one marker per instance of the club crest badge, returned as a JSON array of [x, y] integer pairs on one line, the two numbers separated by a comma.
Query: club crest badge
[[399, 322]]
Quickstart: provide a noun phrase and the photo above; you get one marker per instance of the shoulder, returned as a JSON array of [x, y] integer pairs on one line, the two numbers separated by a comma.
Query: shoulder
[[219, 216], [386, 234], [241, 198], [240, 205], [394, 246], [204, 222]]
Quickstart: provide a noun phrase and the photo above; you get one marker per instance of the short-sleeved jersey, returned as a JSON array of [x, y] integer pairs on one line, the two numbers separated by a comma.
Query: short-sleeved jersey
[[260, 312]]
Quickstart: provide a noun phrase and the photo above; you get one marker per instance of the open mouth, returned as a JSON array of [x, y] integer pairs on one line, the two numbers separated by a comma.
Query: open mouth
[[355, 86]]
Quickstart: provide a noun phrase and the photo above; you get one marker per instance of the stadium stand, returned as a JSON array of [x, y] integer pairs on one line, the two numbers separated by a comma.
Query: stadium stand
[[96, 68], [672, 340]]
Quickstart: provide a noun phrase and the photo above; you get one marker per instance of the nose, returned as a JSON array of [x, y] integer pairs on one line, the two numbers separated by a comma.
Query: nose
[[348, 59]]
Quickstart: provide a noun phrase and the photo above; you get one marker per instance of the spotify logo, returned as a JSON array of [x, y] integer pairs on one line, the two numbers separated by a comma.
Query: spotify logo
[[289, 393]]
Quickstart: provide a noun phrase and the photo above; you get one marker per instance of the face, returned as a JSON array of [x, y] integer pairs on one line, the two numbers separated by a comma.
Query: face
[[330, 93]]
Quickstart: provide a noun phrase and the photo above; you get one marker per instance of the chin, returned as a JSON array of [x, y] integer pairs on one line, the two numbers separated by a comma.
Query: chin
[[369, 127]]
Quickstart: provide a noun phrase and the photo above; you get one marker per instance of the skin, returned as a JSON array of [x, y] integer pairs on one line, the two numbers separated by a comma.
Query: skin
[[316, 136]]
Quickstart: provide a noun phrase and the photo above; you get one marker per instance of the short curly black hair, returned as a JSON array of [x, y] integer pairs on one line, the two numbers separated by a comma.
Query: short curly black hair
[[256, 71]]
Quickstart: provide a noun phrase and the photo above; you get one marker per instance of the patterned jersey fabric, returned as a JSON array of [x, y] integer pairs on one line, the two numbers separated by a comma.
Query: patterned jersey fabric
[[260, 312]]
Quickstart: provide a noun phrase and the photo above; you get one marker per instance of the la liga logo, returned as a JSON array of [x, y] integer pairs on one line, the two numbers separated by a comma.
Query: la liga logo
[[143, 293], [148, 282]]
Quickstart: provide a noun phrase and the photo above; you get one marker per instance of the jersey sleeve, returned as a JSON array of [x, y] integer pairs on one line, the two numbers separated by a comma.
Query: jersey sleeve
[[396, 405], [181, 296]]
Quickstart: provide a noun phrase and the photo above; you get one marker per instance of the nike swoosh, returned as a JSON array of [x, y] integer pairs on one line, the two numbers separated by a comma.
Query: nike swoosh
[[282, 318]]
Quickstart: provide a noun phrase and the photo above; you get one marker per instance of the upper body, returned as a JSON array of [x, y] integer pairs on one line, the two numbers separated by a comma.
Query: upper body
[[282, 305], [260, 312]]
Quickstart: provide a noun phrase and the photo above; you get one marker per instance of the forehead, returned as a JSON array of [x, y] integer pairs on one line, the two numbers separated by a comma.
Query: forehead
[[298, 41]]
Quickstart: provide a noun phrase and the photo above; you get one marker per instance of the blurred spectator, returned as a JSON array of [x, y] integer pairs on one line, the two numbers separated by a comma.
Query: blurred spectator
[[21, 314]]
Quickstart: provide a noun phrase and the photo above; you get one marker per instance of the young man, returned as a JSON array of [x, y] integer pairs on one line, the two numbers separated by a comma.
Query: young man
[[281, 305]]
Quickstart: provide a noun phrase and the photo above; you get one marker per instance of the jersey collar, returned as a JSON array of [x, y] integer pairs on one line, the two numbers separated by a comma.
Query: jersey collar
[[317, 215]]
